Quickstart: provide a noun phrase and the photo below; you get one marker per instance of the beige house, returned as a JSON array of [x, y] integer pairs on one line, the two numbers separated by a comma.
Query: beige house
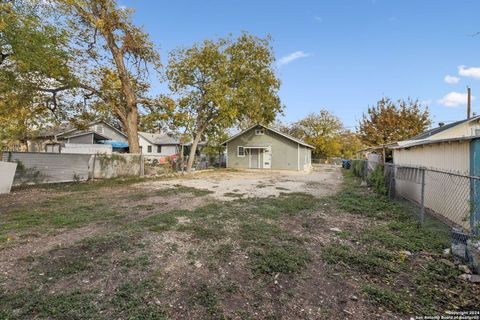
[[157, 144], [459, 129], [452, 148]]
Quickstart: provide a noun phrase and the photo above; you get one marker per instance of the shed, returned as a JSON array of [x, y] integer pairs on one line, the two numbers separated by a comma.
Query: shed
[[261, 147]]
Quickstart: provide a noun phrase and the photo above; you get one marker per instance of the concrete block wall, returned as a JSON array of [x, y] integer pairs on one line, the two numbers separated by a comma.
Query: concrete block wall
[[41, 167], [118, 165]]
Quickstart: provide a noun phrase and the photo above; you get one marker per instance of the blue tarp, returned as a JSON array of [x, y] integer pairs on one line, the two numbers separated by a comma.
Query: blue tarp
[[115, 144]]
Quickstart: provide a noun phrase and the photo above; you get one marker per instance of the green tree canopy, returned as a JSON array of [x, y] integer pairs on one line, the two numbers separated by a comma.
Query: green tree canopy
[[32, 57], [222, 83], [350, 144], [320, 130], [115, 57]]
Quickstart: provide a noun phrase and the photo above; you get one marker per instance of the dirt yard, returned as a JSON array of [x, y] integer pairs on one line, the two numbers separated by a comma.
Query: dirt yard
[[233, 184], [222, 244]]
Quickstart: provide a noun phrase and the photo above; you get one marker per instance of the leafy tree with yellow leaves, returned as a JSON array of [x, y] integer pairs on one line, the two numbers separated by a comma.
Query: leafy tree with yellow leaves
[[391, 121], [320, 130], [113, 59]]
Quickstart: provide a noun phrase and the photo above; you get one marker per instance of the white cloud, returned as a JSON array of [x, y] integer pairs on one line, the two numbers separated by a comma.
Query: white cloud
[[469, 72], [451, 79], [454, 99], [293, 56], [318, 19]]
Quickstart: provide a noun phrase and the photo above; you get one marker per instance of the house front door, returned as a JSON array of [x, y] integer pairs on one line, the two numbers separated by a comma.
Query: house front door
[[254, 159]]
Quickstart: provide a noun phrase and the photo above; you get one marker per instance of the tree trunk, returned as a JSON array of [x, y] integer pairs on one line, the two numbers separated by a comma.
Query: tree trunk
[[193, 150], [131, 126], [132, 131]]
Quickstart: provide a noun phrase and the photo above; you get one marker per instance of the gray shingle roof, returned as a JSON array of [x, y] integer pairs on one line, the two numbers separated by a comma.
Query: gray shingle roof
[[159, 138]]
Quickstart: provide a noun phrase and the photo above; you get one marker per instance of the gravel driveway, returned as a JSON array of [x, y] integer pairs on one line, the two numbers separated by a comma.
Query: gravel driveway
[[232, 184]]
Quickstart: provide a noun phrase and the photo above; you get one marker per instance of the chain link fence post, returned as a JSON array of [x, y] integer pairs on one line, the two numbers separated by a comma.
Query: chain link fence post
[[365, 171], [391, 181], [422, 197], [474, 210]]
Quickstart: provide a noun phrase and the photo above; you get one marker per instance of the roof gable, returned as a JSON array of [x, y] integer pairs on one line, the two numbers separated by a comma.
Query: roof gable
[[65, 129], [272, 130], [160, 139]]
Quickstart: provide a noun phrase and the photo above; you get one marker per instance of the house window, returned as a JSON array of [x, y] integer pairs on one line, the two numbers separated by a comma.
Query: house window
[[149, 149], [52, 147], [159, 149], [240, 152], [259, 132]]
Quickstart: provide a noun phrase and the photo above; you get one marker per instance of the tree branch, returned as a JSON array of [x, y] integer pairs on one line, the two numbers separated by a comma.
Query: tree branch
[[3, 57]]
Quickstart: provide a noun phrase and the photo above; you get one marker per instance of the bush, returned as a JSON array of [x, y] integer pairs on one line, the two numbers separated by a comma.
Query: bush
[[358, 167], [377, 180]]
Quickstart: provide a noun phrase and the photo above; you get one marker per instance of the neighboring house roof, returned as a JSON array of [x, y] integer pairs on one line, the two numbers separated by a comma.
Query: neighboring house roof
[[380, 147], [164, 139], [423, 138], [65, 129], [273, 130], [416, 143], [97, 135], [437, 130], [159, 138]]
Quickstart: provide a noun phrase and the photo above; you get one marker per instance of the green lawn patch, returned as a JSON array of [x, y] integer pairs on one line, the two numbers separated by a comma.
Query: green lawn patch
[[415, 284]]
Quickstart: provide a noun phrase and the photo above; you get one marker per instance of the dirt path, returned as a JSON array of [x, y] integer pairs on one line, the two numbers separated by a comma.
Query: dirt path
[[229, 184]]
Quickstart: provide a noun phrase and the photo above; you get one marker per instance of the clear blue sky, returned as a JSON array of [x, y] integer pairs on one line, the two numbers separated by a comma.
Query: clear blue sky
[[348, 52]]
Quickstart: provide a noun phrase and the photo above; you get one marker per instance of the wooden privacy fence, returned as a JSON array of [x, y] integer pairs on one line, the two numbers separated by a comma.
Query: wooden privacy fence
[[41, 167]]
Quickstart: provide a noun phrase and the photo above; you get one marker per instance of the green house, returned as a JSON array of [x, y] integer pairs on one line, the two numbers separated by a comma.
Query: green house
[[260, 147]]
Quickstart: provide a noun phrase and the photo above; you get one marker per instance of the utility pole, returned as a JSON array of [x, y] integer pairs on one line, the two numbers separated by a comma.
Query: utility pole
[[469, 102]]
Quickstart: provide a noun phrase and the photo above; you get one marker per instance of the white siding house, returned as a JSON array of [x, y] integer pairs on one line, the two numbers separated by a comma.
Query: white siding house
[[158, 145]]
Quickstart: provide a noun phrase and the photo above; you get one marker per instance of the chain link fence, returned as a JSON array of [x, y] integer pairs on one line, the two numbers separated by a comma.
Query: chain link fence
[[451, 197]]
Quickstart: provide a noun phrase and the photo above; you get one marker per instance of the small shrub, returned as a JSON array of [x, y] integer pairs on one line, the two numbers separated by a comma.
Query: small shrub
[[358, 167], [377, 180]]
